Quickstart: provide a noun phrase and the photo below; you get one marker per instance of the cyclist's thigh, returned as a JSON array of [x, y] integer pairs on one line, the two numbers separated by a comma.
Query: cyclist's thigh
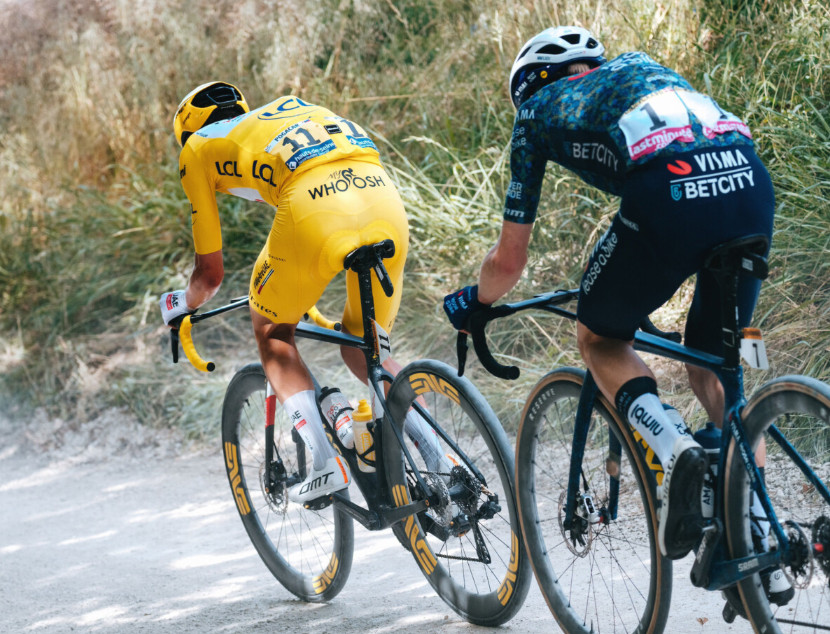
[[284, 281], [624, 281], [703, 330]]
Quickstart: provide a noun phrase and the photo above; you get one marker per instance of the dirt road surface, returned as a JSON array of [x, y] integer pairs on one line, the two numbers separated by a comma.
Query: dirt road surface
[[115, 528]]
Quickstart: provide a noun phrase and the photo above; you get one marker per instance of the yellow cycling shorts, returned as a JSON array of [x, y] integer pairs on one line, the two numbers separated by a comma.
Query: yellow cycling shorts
[[322, 216]]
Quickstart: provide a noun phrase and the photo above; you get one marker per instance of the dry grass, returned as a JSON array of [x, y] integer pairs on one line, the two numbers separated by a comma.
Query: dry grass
[[90, 209]]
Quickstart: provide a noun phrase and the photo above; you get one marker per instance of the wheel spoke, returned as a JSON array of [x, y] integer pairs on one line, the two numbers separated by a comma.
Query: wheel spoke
[[298, 545], [615, 579]]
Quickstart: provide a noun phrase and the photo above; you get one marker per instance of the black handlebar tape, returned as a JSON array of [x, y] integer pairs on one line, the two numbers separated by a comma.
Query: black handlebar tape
[[478, 321]]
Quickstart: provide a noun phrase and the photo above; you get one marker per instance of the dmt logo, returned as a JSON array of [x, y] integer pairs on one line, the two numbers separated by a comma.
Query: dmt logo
[[232, 464], [323, 581], [423, 553], [423, 382], [506, 587]]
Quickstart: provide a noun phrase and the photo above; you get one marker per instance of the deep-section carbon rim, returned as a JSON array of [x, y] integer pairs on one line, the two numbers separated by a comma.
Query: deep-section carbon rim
[[309, 552], [477, 563], [799, 407], [606, 576]]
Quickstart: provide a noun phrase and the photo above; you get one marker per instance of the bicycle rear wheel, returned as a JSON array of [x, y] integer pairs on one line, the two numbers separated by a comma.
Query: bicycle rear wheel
[[799, 407], [469, 544], [601, 576], [309, 552]]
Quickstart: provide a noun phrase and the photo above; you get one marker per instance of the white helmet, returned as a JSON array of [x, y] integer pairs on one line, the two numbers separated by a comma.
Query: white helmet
[[544, 57]]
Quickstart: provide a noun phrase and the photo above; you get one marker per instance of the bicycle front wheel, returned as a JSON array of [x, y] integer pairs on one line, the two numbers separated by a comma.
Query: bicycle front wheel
[[468, 545], [791, 414], [604, 572], [309, 552]]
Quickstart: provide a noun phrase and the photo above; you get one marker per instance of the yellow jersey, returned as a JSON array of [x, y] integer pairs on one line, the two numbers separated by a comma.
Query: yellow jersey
[[254, 156]]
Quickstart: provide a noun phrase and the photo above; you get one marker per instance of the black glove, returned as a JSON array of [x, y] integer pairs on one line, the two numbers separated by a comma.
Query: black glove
[[461, 304]]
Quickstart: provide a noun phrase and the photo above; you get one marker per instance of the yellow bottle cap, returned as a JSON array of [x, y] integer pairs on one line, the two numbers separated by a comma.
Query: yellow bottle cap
[[363, 412]]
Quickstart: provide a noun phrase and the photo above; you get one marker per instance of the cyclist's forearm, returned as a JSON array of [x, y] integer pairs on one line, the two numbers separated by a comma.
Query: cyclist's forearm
[[504, 264], [205, 279], [496, 280]]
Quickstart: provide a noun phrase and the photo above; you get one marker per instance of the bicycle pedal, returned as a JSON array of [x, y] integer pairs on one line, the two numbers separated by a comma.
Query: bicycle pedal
[[318, 504], [704, 552], [733, 607], [729, 613]]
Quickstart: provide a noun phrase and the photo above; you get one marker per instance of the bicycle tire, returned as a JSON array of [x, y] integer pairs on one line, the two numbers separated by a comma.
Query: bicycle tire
[[309, 552], [480, 567], [616, 579], [800, 408]]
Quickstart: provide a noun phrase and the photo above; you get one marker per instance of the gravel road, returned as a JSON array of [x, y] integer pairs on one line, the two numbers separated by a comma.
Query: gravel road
[[115, 528]]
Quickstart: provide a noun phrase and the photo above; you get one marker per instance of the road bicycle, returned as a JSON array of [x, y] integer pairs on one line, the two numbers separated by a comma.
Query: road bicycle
[[586, 482], [461, 523]]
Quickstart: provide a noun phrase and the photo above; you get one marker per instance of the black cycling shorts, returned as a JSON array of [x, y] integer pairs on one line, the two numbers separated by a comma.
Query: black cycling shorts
[[673, 212]]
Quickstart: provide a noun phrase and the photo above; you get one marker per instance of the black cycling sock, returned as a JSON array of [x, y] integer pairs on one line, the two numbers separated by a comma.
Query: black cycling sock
[[632, 390]]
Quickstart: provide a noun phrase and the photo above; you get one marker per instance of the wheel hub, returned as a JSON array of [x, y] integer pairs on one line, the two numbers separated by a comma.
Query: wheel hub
[[578, 536], [276, 494]]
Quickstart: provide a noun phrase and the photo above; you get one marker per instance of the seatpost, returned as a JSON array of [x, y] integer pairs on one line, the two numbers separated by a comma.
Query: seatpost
[[367, 302], [728, 280]]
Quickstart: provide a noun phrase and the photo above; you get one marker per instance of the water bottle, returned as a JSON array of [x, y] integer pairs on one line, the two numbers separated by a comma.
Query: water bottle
[[337, 409], [364, 443], [709, 438]]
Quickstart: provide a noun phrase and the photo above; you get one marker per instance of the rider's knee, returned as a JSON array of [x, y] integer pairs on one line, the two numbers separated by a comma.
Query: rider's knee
[[587, 340]]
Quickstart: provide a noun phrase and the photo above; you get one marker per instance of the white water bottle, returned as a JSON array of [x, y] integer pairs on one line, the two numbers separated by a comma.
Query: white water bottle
[[337, 409]]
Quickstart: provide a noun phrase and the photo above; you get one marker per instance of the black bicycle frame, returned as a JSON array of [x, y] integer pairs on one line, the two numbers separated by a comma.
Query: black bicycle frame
[[373, 485], [711, 569]]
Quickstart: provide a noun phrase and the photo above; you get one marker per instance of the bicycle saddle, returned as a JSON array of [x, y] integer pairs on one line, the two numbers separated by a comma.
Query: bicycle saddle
[[742, 255]]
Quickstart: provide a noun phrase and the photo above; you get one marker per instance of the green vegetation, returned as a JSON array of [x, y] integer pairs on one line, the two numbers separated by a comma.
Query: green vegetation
[[92, 215]]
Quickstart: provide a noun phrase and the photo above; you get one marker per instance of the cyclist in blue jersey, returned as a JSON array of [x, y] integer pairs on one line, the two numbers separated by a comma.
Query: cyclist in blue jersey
[[688, 179]]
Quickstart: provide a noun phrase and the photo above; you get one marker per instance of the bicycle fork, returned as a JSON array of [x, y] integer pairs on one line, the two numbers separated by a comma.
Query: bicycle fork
[[580, 512]]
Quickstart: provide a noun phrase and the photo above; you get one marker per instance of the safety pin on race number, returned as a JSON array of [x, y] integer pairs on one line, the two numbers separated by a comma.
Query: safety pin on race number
[[753, 350], [383, 345]]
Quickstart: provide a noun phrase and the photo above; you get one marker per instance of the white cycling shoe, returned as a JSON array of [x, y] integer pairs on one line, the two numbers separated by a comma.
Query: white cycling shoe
[[334, 476], [679, 517]]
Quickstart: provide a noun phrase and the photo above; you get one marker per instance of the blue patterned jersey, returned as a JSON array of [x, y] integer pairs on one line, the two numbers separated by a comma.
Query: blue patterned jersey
[[605, 122]]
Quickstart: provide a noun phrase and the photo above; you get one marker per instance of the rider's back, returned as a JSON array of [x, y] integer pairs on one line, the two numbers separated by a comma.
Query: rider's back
[[254, 156], [606, 122]]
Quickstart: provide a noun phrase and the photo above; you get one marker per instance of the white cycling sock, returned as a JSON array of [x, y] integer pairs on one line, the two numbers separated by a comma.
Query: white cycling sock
[[758, 522], [302, 412], [647, 416], [426, 440]]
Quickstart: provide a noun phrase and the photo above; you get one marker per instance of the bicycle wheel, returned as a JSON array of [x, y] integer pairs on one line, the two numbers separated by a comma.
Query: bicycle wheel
[[308, 551], [469, 544], [799, 407], [602, 576]]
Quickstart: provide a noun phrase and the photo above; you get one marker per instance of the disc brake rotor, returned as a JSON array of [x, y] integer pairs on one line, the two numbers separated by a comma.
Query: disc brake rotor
[[799, 571], [579, 537]]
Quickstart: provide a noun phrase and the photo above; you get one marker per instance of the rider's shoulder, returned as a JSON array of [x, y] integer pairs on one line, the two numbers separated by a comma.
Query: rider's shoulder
[[283, 106]]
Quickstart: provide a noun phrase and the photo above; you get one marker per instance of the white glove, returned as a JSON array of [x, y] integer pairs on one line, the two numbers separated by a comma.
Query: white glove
[[173, 305]]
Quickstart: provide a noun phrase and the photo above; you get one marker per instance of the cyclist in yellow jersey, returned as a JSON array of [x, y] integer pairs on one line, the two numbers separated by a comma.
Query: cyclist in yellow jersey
[[323, 175]]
